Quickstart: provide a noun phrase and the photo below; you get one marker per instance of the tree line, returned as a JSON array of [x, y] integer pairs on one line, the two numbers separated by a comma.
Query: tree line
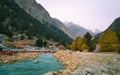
[[108, 42]]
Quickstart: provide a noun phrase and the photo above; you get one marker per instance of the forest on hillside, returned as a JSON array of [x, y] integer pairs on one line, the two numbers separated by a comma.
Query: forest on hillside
[[14, 21]]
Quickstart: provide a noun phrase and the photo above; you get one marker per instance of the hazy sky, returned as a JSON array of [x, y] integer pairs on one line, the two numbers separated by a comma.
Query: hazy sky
[[87, 13]]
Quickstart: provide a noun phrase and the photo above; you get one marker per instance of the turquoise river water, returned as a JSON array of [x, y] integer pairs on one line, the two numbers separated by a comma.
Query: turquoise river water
[[37, 66]]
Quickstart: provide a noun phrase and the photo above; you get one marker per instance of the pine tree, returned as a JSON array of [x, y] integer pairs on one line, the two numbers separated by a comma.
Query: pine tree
[[108, 41], [40, 42], [88, 36], [89, 41]]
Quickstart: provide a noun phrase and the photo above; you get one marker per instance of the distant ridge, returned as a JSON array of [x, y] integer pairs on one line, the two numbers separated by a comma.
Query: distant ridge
[[76, 30]]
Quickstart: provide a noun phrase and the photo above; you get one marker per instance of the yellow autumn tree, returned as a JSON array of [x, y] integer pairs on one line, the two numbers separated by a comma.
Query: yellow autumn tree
[[84, 47], [73, 46], [79, 44], [108, 41]]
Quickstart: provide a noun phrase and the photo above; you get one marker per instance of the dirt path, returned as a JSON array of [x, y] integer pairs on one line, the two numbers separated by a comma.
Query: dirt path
[[83, 63]]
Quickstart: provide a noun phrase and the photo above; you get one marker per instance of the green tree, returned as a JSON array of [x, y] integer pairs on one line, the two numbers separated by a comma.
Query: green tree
[[40, 42], [108, 41], [88, 36], [89, 41]]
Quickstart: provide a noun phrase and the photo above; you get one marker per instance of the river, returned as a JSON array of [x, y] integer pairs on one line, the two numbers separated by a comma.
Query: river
[[37, 66]]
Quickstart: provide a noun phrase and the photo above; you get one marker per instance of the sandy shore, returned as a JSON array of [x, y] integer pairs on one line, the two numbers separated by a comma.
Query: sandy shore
[[84, 63], [17, 57]]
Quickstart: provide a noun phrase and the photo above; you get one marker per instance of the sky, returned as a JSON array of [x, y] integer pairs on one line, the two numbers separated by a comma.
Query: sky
[[91, 14]]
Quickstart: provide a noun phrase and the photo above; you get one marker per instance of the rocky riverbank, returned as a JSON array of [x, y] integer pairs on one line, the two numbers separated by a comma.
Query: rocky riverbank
[[17, 57], [84, 63]]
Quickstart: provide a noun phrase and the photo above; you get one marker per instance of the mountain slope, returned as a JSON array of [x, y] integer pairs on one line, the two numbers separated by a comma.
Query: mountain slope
[[14, 20], [115, 26], [61, 26], [38, 12], [35, 10], [94, 31], [76, 30]]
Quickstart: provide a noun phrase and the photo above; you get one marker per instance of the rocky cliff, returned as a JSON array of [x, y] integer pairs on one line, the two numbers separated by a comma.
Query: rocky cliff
[[35, 10]]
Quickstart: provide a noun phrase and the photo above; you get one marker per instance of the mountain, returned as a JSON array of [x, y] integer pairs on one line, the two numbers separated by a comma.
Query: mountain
[[76, 30], [35, 10], [115, 26], [94, 31], [38, 12], [15, 20], [61, 26]]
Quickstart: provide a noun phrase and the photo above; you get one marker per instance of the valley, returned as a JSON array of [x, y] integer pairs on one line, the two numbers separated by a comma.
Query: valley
[[32, 42]]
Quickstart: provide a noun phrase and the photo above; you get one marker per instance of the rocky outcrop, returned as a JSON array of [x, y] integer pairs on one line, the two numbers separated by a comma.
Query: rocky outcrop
[[35, 10]]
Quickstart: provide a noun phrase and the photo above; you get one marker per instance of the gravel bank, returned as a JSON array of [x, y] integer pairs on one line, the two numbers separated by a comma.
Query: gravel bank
[[84, 63], [17, 57]]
